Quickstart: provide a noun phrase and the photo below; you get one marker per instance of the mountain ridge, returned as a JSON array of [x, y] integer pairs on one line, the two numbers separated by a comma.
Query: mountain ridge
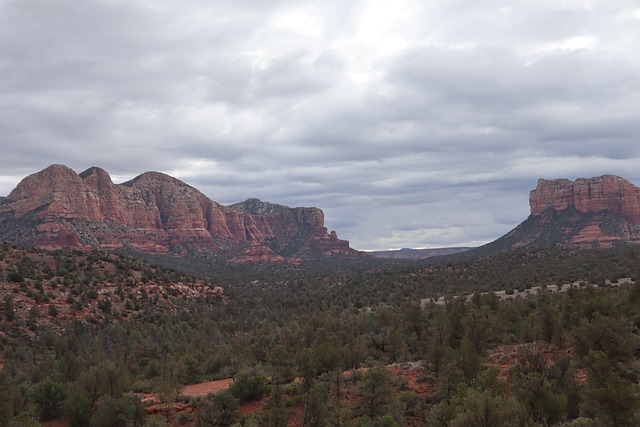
[[157, 213], [417, 254]]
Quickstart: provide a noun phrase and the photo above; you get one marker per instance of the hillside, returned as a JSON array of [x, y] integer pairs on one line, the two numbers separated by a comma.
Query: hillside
[[42, 289]]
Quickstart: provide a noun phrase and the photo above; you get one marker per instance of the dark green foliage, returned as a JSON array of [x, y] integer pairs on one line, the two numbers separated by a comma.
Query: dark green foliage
[[607, 397], [277, 410], [69, 366], [9, 310], [608, 334], [191, 368], [537, 390], [90, 385], [7, 389], [118, 412], [249, 385], [48, 396], [482, 409], [53, 310], [315, 321], [225, 406], [23, 420], [77, 410], [375, 388], [15, 277], [219, 410], [316, 407]]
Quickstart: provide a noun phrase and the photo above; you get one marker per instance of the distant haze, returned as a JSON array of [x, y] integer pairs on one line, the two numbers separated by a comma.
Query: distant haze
[[410, 123], [415, 254]]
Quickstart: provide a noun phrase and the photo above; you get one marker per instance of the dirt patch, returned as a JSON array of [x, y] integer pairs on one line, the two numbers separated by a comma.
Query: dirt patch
[[161, 408], [209, 387], [250, 408], [193, 390]]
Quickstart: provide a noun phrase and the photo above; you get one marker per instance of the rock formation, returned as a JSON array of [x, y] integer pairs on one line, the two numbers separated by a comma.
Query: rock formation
[[588, 195], [156, 213], [589, 213]]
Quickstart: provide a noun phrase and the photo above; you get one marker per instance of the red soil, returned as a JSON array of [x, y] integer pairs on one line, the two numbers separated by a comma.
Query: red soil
[[202, 389], [250, 408], [193, 390]]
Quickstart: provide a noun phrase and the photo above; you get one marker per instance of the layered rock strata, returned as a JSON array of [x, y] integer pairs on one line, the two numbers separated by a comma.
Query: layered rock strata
[[156, 213], [588, 195], [595, 212]]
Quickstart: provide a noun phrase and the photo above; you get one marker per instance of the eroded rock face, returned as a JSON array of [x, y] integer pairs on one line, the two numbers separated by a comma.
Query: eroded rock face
[[156, 213], [588, 195], [597, 212]]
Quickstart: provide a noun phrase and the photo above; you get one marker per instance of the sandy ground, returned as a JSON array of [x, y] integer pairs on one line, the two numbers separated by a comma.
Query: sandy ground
[[193, 390], [202, 389]]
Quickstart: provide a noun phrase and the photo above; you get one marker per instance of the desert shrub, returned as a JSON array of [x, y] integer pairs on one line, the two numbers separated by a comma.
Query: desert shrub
[[48, 397], [219, 410], [15, 277], [120, 412], [77, 410], [249, 385]]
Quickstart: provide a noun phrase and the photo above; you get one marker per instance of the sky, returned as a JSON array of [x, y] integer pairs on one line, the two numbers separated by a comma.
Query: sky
[[410, 123]]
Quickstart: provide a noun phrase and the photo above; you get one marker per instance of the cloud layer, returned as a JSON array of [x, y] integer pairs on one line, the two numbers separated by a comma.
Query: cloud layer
[[410, 123]]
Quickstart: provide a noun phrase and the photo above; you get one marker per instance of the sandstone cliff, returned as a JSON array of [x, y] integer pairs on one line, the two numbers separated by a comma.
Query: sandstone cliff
[[588, 195], [596, 212], [156, 213]]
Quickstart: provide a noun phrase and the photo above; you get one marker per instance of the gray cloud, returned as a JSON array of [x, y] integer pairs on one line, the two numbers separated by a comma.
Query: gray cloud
[[410, 124]]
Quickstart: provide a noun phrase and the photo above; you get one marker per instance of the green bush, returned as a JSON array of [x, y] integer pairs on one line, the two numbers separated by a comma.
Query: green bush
[[15, 277], [249, 385], [77, 410], [48, 397]]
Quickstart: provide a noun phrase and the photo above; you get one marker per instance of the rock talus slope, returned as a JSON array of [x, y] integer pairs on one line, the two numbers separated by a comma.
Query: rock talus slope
[[156, 213]]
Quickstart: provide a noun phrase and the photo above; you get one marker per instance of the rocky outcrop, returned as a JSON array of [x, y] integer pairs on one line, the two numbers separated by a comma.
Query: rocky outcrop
[[568, 227], [607, 192], [156, 213], [597, 212], [256, 253]]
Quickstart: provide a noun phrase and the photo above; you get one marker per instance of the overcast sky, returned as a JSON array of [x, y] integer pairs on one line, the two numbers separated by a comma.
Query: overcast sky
[[411, 123]]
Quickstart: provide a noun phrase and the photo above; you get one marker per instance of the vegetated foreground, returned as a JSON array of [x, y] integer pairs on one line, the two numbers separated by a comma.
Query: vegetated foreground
[[343, 344]]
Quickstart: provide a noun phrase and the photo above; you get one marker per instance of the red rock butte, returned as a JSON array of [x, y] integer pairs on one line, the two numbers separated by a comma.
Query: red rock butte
[[607, 192], [587, 213], [156, 213]]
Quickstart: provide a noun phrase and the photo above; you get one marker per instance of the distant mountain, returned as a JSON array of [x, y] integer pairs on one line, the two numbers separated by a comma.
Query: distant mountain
[[415, 254], [598, 212], [156, 213]]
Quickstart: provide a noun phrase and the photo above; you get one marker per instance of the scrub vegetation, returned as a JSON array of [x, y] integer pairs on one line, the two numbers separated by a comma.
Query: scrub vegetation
[[86, 338]]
